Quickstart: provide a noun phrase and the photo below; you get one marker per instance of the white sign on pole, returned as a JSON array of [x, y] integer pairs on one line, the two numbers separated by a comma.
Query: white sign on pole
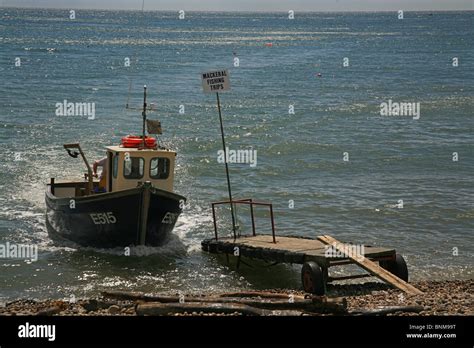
[[215, 81]]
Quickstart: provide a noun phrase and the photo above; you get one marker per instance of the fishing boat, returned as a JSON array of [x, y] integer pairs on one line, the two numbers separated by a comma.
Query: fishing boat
[[132, 204]]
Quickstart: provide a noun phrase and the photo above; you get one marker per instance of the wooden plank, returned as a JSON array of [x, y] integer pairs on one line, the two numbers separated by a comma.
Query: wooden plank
[[312, 248], [262, 247], [233, 302], [372, 267]]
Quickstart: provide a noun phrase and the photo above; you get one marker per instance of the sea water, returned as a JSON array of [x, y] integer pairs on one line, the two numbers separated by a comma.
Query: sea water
[[306, 95]]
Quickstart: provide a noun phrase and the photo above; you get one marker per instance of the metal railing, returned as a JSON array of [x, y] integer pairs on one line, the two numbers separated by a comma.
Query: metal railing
[[250, 202]]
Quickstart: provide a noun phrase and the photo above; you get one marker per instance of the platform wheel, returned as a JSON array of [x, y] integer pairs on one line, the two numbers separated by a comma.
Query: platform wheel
[[397, 267], [313, 278]]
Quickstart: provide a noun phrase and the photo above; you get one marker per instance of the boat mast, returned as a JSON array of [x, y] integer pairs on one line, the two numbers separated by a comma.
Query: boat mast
[[144, 115]]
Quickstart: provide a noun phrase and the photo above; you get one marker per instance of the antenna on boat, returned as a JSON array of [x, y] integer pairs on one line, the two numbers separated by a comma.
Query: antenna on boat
[[144, 115]]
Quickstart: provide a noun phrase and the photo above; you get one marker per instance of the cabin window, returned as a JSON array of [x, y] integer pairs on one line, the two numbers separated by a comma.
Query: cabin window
[[159, 168], [115, 166], [133, 168]]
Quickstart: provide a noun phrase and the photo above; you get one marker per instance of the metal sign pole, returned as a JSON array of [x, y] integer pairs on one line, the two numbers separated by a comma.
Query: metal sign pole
[[226, 166]]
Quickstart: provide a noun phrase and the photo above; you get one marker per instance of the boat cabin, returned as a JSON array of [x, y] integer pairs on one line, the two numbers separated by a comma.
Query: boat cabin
[[129, 167], [126, 168]]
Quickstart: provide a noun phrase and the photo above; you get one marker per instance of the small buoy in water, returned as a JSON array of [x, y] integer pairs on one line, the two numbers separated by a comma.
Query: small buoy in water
[[319, 74], [268, 44]]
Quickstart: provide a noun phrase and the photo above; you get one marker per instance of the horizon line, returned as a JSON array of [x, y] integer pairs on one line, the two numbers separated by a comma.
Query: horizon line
[[228, 11]]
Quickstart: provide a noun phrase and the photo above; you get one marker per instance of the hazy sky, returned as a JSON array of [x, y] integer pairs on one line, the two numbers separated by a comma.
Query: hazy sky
[[251, 5]]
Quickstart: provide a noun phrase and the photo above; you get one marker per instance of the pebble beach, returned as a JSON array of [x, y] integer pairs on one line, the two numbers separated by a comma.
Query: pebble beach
[[438, 298]]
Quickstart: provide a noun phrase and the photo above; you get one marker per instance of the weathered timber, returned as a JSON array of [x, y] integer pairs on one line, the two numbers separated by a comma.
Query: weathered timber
[[135, 296], [329, 306], [388, 310], [139, 296], [156, 308], [262, 294], [372, 267], [244, 307], [261, 300]]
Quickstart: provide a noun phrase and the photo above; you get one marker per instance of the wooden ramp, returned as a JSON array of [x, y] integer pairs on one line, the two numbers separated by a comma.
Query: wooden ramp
[[372, 267]]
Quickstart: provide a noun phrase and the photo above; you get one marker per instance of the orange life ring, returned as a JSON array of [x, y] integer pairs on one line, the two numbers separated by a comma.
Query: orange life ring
[[137, 141]]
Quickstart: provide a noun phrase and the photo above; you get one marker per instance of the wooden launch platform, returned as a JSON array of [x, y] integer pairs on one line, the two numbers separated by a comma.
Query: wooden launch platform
[[288, 250], [316, 255], [314, 252]]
